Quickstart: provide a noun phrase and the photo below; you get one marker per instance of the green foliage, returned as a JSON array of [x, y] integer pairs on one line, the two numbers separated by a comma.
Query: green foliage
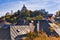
[[14, 20], [29, 18], [25, 13]]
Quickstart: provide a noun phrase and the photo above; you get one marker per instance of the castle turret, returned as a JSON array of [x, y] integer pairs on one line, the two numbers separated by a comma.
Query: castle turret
[[24, 8], [11, 12]]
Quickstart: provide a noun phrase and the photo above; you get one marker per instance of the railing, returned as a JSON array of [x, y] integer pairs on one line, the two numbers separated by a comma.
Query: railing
[[24, 29], [18, 30], [55, 27]]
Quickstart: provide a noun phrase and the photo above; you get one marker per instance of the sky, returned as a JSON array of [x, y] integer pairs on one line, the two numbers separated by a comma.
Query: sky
[[49, 5]]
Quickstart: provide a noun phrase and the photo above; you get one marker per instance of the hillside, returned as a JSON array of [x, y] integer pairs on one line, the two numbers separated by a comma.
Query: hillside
[[24, 13]]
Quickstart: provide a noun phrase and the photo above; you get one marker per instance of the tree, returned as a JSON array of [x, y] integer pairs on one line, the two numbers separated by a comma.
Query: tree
[[39, 17], [7, 15], [58, 13], [25, 14]]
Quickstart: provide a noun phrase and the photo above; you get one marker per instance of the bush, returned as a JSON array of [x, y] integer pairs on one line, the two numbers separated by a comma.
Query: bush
[[31, 36]]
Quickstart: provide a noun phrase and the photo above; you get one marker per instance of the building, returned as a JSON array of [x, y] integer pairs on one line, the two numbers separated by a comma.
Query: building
[[24, 8]]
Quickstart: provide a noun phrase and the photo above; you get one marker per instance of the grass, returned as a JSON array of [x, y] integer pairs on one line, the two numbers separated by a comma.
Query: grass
[[40, 36], [58, 24]]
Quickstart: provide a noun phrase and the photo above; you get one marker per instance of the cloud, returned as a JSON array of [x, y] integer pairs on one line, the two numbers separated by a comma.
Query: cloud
[[50, 5]]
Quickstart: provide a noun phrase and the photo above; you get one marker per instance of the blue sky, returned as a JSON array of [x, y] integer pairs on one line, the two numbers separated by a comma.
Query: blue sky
[[50, 5]]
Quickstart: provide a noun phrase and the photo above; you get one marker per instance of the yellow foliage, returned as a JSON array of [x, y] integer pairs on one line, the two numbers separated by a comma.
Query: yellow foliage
[[42, 36], [3, 18], [28, 18], [14, 17], [7, 16], [39, 17], [51, 29]]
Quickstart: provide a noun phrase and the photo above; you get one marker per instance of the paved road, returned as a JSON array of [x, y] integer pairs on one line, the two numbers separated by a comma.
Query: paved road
[[55, 27]]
